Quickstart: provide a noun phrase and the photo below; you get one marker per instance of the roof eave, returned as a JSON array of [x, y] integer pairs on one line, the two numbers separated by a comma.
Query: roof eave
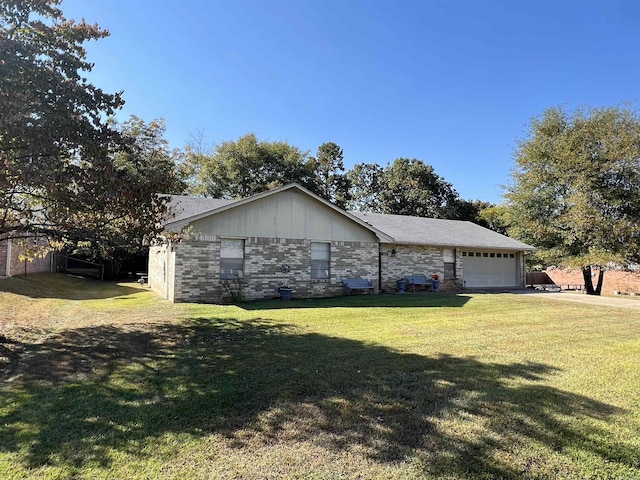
[[178, 225], [524, 248]]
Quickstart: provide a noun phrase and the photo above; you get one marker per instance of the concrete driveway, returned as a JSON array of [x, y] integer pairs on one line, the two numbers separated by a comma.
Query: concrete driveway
[[616, 302]]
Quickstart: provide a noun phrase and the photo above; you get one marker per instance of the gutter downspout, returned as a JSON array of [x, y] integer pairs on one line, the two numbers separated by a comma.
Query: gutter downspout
[[379, 269], [167, 260]]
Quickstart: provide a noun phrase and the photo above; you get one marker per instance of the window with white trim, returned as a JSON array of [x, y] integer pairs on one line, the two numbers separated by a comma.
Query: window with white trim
[[449, 263], [320, 260], [231, 258]]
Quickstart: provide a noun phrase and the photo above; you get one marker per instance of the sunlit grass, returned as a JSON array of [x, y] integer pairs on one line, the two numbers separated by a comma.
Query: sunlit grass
[[108, 381]]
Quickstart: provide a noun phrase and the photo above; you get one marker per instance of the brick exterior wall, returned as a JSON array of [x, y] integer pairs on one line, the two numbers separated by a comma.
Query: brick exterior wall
[[197, 272], [189, 271], [197, 269], [410, 260], [626, 282], [417, 260]]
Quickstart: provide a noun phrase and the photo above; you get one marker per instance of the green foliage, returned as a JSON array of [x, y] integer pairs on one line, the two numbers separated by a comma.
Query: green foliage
[[494, 217], [52, 124], [413, 188], [69, 172], [116, 209], [331, 182], [248, 166], [235, 289], [406, 187], [365, 180], [575, 187], [472, 211]]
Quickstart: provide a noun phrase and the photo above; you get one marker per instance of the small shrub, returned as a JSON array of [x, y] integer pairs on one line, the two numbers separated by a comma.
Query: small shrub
[[235, 289]]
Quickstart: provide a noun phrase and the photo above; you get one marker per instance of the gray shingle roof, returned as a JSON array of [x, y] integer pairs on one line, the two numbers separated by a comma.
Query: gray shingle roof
[[432, 231], [403, 229], [185, 207]]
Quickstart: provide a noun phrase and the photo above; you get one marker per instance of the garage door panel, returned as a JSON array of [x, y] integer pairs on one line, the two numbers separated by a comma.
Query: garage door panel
[[489, 270]]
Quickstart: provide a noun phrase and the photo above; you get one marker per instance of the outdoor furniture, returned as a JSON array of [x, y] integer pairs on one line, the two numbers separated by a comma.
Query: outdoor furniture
[[572, 286], [419, 280], [349, 284]]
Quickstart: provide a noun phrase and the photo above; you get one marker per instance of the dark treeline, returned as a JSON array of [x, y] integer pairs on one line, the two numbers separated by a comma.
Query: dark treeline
[[247, 166]]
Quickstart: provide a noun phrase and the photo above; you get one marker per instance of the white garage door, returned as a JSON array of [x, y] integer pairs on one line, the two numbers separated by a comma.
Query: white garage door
[[490, 269]]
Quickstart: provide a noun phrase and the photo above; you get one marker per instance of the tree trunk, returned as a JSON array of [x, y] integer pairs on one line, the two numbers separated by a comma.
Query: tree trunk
[[600, 280], [112, 268], [588, 282]]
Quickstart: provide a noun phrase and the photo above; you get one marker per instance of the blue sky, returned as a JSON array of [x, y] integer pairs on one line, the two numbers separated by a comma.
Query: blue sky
[[452, 83]]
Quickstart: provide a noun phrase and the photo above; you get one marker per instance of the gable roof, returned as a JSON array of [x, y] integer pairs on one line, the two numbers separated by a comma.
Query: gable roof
[[198, 208], [410, 230], [182, 207], [400, 229]]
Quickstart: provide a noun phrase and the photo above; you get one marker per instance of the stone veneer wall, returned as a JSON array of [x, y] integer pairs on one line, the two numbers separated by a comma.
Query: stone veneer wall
[[626, 282], [269, 263]]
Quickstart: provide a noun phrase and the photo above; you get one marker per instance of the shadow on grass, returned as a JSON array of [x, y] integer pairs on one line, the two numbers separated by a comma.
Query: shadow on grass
[[85, 393], [59, 285], [366, 301]]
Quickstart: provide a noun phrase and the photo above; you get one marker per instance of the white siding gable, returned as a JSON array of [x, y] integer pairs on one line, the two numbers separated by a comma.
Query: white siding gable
[[287, 214]]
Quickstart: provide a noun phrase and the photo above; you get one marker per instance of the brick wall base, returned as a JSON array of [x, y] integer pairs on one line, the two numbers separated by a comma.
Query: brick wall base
[[614, 281], [268, 264], [400, 260], [189, 271]]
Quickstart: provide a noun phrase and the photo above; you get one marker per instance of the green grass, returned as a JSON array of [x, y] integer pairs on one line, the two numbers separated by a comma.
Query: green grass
[[108, 381]]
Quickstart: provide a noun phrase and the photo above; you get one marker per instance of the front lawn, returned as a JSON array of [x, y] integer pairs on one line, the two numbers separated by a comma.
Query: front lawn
[[109, 381]]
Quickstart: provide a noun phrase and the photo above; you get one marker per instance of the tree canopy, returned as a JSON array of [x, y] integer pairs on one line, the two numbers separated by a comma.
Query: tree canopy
[[116, 209], [331, 181], [239, 169], [247, 166], [68, 171], [575, 188], [52, 121], [407, 187], [365, 182]]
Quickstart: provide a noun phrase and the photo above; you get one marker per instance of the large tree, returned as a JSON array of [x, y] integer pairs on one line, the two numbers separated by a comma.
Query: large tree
[[365, 182], [493, 217], [404, 187], [116, 208], [331, 181], [245, 167], [69, 171], [575, 189], [52, 120]]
